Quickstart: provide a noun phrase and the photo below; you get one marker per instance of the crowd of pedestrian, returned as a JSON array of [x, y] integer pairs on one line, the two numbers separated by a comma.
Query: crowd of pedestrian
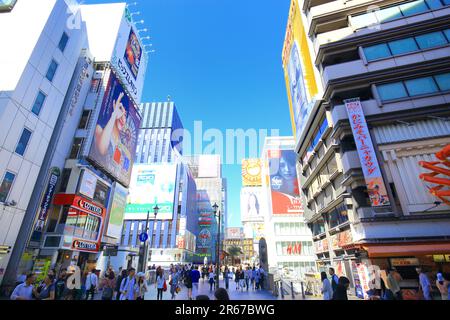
[[335, 288]]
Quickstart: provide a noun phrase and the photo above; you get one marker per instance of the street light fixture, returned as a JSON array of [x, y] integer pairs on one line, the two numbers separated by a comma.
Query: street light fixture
[[217, 213]]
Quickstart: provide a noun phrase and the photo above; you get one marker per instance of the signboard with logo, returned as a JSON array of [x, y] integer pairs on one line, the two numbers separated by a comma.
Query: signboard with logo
[[301, 84], [369, 163], [114, 145], [401, 262], [285, 190], [84, 224], [88, 184], [251, 173], [152, 184], [129, 59], [233, 233], [47, 199]]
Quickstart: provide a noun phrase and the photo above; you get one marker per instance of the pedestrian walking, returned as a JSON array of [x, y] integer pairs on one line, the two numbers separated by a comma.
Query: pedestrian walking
[[91, 284], [248, 275], [262, 279], [160, 283], [48, 290], [211, 279], [221, 294], [425, 284], [141, 286], [174, 282], [127, 287], [393, 284], [25, 290], [241, 278], [123, 274], [327, 291], [254, 278], [257, 279], [108, 286], [236, 278], [188, 282], [341, 289], [60, 285], [443, 286], [226, 277], [334, 279], [195, 276]]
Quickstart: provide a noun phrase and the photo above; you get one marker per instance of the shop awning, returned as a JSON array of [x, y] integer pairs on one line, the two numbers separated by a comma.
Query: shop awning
[[381, 251]]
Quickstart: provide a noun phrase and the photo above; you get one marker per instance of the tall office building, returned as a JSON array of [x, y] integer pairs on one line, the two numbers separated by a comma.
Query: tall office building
[[33, 84], [76, 204], [368, 84], [207, 172], [159, 179], [289, 242]]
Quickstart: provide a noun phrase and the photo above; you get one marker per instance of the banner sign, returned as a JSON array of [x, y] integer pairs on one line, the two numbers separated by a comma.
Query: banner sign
[[371, 169], [47, 199]]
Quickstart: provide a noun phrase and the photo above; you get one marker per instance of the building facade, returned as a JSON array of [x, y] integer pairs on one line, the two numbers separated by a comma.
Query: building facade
[[376, 133], [289, 242]]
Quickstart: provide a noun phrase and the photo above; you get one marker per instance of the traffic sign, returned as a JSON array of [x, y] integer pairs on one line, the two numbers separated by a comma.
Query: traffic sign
[[143, 237]]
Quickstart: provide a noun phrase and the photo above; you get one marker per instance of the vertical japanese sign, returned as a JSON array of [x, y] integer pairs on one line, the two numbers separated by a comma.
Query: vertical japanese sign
[[371, 169], [47, 199]]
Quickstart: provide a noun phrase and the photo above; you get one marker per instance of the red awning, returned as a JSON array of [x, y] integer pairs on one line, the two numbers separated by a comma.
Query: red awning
[[392, 250]]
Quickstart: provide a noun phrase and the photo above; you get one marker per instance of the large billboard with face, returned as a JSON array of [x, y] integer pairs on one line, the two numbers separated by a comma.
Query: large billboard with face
[[285, 190], [114, 143], [128, 58], [251, 204], [251, 173], [300, 80], [151, 185]]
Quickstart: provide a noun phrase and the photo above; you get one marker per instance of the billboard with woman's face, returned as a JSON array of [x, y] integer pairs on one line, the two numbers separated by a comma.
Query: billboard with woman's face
[[114, 143], [284, 185], [251, 205]]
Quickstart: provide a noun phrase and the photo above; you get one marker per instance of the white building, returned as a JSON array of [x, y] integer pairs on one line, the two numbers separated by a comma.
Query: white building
[[289, 240], [36, 73]]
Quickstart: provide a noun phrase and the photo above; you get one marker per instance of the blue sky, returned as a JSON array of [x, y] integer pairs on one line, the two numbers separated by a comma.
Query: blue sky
[[220, 61]]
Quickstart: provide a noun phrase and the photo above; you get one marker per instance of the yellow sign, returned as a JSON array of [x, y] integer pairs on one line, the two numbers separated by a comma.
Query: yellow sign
[[298, 70], [251, 173]]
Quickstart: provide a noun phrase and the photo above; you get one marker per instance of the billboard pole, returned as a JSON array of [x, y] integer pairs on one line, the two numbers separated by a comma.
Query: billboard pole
[[215, 207]]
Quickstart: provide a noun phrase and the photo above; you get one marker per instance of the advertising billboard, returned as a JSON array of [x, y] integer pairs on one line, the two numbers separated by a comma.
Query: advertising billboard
[[114, 144], [234, 233], [88, 184], [285, 190], [128, 58], [47, 199], [209, 166], [251, 204], [369, 163], [117, 211], [151, 185], [251, 173], [301, 83]]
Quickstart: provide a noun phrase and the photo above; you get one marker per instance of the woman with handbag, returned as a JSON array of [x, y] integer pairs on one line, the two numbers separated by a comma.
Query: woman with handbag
[[161, 285], [141, 286], [109, 284]]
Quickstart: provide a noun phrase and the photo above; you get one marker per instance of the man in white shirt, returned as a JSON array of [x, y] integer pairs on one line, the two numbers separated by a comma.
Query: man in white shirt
[[127, 287], [25, 290], [91, 284]]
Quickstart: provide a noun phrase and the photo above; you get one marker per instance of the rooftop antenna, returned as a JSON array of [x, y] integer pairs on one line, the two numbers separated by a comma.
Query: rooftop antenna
[[169, 98]]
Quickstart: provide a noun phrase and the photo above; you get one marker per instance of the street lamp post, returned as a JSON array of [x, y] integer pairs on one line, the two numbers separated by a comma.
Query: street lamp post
[[215, 207], [155, 212]]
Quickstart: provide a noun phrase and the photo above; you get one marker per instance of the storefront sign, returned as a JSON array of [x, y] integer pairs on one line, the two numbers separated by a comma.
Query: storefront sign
[[345, 238], [82, 245], [47, 199], [363, 275], [400, 262], [370, 166]]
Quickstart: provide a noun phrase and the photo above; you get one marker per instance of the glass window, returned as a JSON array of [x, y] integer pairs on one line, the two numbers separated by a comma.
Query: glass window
[[413, 7], [447, 34], [392, 91], [434, 4], [431, 40], [388, 14], [63, 42], [6, 185], [51, 70], [101, 193], [23, 142], [65, 179], [84, 119], [403, 46], [421, 86], [376, 52], [443, 81], [38, 103], [76, 147]]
